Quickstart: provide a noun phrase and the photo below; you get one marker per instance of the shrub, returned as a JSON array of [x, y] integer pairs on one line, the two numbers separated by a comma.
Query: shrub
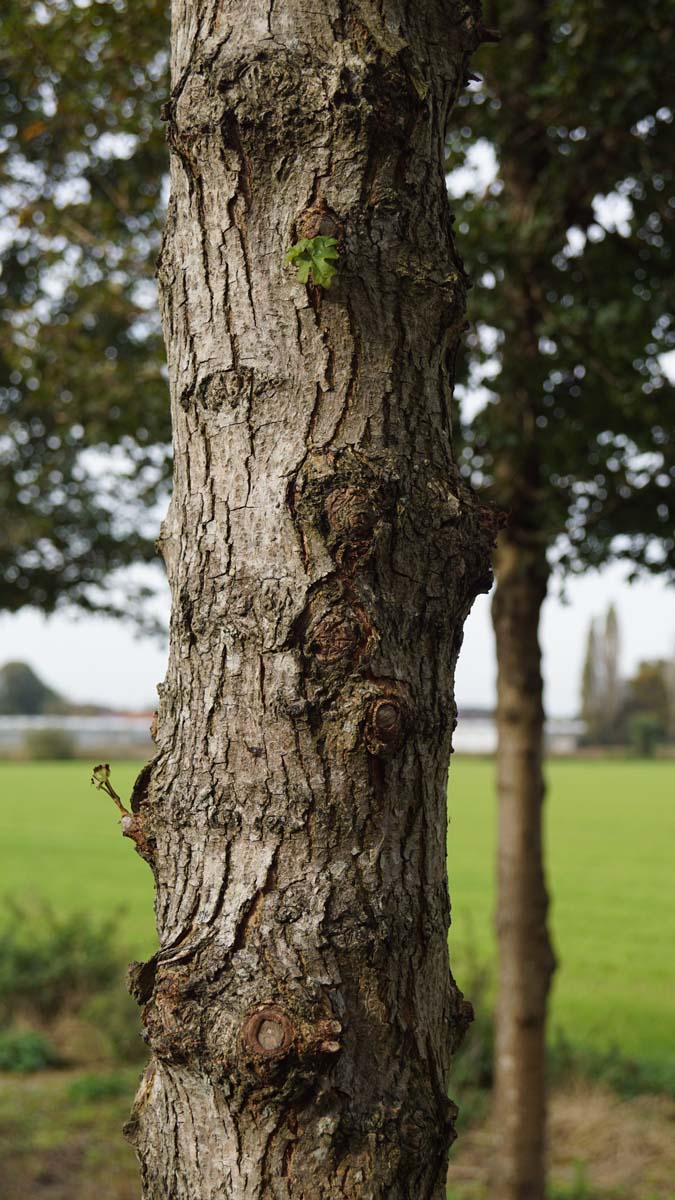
[[117, 1016], [472, 1074], [473, 1063], [626, 1076], [24, 1051], [50, 962], [645, 731], [49, 744]]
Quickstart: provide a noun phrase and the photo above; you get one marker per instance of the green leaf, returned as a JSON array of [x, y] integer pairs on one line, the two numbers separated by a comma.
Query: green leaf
[[324, 247], [304, 267], [322, 272], [314, 257], [298, 249]]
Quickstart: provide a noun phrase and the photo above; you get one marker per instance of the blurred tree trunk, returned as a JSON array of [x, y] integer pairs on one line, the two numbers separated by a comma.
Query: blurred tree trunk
[[526, 961], [323, 555]]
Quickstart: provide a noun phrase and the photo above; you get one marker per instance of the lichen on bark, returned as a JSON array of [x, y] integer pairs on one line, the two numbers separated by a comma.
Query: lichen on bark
[[323, 554]]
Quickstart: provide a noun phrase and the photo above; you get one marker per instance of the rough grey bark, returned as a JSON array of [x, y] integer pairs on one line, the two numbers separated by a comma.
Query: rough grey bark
[[323, 555], [526, 960]]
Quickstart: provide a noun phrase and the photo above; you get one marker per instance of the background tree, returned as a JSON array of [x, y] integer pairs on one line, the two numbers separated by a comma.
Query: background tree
[[22, 691], [670, 685], [81, 168], [646, 708], [591, 685], [322, 555], [612, 649], [602, 691], [572, 317]]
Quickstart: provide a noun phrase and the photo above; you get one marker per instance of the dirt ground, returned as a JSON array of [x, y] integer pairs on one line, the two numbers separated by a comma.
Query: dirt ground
[[600, 1146], [60, 1139]]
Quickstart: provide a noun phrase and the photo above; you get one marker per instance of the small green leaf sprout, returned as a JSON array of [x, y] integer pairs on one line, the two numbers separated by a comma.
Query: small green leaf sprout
[[101, 779], [314, 257]]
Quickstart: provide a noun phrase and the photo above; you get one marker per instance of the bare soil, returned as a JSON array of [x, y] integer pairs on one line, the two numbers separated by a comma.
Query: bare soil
[[600, 1146]]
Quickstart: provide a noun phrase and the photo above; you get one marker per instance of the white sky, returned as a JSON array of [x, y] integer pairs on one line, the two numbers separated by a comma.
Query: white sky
[[103, 661]]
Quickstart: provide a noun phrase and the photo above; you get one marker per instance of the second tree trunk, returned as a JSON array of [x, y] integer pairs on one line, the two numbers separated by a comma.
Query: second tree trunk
[[526, 960]]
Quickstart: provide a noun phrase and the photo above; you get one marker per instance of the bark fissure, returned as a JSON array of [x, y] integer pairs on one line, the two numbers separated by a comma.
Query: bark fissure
[[322, 553]]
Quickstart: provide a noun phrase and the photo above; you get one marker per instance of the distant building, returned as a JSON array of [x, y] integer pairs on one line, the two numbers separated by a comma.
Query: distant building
[[107, 731], [476, 733]]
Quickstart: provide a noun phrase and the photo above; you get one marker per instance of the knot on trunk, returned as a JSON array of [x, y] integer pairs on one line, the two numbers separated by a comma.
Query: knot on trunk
[[274, 1040], [463, 1016], [372, 714], [342, 502], [133, 827], [387, 722], [351, 512], [319, 221], [335, 632], [268, 1032], [172, 1009], [230, 390], [141, 979], [336, 637], [352, 515]]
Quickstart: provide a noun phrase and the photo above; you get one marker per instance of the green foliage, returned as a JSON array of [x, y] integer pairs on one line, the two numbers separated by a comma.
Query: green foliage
[[572, 309], [50, 962], [55, 1144], [472, 1073], [83, 399], [648, 694], [473, 1063], [61, 840], [627, 1075], [644, 734], [49, 745], [314, 257], [25, 1051], [116, 1015]]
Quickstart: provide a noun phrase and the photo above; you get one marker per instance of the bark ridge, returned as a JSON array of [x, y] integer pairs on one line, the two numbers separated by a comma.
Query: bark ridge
[[323, 553]]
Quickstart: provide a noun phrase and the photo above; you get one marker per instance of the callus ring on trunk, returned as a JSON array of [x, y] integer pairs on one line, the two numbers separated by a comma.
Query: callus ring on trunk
[[268, 1032], [386, 725]]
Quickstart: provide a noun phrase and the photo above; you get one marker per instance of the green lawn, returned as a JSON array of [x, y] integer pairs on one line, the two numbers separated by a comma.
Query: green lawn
[[60, 840], [611, 858], [611, 848]]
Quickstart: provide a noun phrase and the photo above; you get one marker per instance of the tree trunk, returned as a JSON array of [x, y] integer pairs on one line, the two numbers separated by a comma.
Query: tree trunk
[[322, 554], [526, 961]]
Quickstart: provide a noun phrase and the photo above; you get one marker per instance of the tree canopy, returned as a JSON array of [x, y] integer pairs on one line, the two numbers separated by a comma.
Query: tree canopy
[[22, 691], [83, 399], [570, 248]]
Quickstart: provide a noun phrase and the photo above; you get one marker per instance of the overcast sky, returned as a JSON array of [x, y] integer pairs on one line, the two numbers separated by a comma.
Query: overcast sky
[[101, 660]]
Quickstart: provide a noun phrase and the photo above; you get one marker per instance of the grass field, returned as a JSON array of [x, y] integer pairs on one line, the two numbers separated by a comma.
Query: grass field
[[610, 843], [611, 850]]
